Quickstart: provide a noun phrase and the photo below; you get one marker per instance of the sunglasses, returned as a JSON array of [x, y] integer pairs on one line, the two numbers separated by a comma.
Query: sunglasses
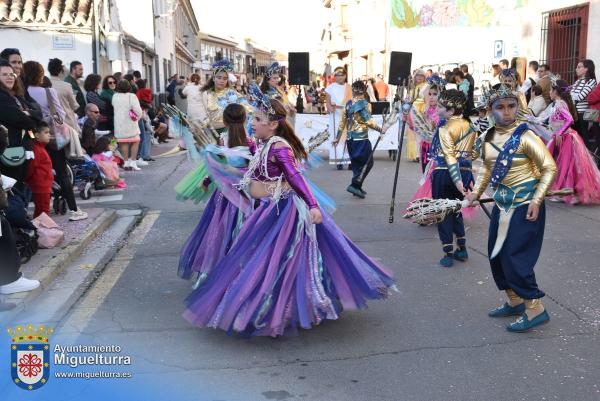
[[94, 111], [111, 82], [340, 75]]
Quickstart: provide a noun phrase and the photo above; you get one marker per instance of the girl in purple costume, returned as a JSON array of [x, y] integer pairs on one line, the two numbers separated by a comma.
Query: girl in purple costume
[[290, 265], [221, 219]]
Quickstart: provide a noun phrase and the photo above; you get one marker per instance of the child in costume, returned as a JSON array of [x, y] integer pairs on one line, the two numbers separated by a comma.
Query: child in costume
[[423, 120], [221, 219], [416, 94], [290, 265], [270, 87], [355, 122], [520, 170], [453, 147], [218, 93], [576, 167]]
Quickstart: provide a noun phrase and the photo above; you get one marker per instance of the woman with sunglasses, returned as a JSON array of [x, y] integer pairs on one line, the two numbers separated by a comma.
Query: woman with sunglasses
[[109, 85]]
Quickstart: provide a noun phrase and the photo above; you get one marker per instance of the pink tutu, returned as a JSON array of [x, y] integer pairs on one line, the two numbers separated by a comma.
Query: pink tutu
[[576, 169]]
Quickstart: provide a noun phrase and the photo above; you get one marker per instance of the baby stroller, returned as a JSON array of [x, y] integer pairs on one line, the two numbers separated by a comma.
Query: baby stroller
[[85, 175]]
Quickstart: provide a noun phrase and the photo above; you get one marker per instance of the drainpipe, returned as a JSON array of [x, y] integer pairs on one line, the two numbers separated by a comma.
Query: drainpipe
[[95, 35]]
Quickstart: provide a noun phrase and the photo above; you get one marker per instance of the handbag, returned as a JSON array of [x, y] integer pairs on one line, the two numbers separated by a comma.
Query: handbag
[[591, 115], [132, 114], [13, 157], [61, 135], [50, 235]]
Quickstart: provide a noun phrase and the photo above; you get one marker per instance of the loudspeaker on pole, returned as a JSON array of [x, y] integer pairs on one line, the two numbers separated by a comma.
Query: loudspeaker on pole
[[400, 67], [299, 68]]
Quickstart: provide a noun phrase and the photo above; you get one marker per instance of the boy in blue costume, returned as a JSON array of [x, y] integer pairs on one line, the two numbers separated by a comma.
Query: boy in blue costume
[[453, 149], [356, 121], [520, 170]]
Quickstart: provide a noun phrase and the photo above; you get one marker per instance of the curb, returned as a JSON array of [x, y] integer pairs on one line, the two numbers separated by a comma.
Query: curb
[[57, 264]]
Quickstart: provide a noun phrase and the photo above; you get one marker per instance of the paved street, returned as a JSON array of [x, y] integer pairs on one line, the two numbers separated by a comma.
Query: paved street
[[431, 341]]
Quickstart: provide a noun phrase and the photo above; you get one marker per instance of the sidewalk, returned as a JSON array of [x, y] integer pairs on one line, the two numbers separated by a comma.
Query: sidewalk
[[46, 264]]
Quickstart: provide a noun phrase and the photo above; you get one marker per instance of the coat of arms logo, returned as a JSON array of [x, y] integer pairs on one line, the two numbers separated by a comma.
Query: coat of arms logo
[[30, 355]]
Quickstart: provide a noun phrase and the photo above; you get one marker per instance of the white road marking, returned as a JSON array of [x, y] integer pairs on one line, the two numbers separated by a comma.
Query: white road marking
[[84, 310], [100, 199]]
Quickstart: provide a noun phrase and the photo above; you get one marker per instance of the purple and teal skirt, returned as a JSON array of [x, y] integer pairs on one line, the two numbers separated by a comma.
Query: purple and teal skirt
[[283, 273], [211, 239]]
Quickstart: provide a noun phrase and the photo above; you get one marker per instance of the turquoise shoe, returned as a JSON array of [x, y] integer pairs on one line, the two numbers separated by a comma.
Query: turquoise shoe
[[447, 261], [523, 323], [507, 310], [461, 255], [355, 191]]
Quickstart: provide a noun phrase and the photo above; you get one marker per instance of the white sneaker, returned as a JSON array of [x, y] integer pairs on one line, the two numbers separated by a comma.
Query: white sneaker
[[78, 214], [127, 164], [134, 166], [141, 163], [21, 285]]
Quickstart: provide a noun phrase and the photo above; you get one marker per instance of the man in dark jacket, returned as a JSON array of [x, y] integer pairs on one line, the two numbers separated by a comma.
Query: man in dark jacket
[[470, 101], [76, 73]]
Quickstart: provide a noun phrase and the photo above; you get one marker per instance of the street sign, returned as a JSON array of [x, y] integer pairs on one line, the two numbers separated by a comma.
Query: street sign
[[63, 42], [498, 49]]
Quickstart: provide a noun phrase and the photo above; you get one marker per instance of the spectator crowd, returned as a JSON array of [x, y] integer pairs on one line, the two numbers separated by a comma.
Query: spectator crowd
[[61, 131]]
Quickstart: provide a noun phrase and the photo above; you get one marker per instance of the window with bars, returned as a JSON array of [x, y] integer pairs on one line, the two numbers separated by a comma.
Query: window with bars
[[564, 39]]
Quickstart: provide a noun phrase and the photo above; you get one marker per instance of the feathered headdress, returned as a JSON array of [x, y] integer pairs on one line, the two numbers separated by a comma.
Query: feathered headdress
[[222, 66], [273, 69], [501, 92], [260, 100], [359, 87], [453, 99], [436, 80], [508, 77], [555, 81]]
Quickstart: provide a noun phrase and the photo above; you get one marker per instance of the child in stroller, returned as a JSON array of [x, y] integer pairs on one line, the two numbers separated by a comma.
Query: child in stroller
[[84, 174]]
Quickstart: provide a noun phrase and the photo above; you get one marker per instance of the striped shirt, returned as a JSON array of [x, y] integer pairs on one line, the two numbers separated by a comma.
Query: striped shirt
[[580, 91], [482, 124]]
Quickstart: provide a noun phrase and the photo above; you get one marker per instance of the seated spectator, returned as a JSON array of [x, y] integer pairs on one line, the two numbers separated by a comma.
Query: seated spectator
[[537, 104], [39, 173], [103, 155], [160, 125], [88, 132]]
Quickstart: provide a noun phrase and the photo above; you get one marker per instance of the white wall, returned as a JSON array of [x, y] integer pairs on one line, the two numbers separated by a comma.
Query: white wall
[[135, 59], [164, 40], [37, 46]]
